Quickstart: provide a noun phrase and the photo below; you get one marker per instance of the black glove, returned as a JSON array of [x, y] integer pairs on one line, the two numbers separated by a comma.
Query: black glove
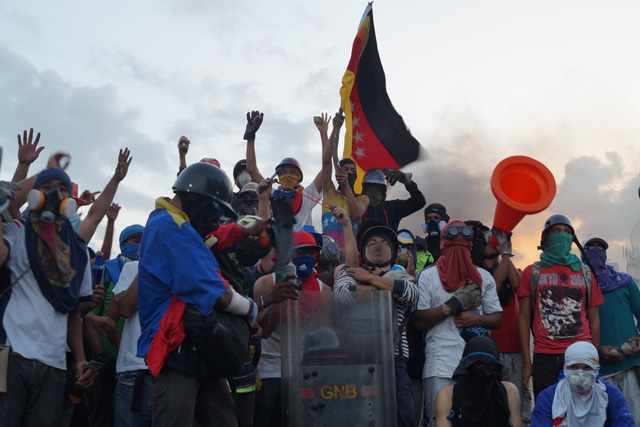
[[254, 120], [465, 298], [394, 176]]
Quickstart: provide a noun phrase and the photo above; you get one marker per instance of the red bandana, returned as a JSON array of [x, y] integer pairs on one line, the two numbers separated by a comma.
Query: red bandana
[[454, 265]]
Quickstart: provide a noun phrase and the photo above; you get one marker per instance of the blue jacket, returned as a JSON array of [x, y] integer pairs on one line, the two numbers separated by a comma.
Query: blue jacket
[[618, 412]]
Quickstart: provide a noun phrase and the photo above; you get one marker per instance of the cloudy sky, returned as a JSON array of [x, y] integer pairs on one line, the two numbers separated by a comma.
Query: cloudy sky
[[475, 81]]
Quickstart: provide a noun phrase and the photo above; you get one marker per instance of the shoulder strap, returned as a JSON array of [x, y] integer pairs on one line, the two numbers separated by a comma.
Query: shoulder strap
[[536, 268], [586, 272]]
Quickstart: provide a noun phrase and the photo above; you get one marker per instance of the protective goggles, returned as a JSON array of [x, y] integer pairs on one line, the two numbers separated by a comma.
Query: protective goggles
[[454, 231], [595, 246]]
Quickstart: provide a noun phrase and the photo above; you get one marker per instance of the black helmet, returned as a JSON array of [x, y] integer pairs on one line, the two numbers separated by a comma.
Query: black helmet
[[374, 176], [290, 161], [239, 167], [206, 180], [557, 219], [378, 230]]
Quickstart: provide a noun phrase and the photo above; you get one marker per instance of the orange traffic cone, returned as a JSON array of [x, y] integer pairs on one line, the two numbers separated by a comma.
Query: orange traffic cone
[[522, 186]]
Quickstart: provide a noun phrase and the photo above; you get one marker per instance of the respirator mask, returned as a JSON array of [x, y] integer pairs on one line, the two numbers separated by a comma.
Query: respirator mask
[[51, 204]]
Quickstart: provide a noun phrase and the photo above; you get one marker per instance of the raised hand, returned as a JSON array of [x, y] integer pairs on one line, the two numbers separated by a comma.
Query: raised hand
[[338, 120], [341, 216], [183, 145], [394, 176], [254, 120], [87, 197], [59, 160], [28, 150], [504, 241], [112, 212], [124, 160], [322, 122], [342, 178]]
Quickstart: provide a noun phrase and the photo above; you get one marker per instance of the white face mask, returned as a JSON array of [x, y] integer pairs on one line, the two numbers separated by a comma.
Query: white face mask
[[581, 381], [244, 178]]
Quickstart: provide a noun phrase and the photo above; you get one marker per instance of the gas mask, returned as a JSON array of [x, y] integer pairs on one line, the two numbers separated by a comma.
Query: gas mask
[[244, 178], [51, 204], [433, 226], [581, 381], [330, 253]]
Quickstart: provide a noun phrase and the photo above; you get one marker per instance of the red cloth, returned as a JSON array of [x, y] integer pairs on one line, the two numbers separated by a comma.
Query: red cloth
[[455, 267], [562, 296], [226, 236], [507, 336], [169, 336], [296, 201]]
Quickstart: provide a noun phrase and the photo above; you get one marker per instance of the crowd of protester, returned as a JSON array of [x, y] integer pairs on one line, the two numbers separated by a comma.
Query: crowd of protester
[[134, 339]]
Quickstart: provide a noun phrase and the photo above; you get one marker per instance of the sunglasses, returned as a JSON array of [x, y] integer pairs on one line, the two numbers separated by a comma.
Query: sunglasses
[[596, 246], [454, 231]]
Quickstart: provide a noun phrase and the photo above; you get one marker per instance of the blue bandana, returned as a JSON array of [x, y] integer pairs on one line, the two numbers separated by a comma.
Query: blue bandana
[[53, 174], [608, 278]]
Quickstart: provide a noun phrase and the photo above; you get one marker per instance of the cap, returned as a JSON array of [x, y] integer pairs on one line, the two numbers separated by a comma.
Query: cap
[[437, 208], [211, 161], [302, 239], [595, 239], [250, 187]]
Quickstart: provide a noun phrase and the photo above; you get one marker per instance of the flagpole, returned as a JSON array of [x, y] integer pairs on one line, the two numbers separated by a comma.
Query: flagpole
[[336, 140]]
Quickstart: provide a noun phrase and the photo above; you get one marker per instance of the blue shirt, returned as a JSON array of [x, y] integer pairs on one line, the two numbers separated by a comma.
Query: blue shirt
[[618, 412]]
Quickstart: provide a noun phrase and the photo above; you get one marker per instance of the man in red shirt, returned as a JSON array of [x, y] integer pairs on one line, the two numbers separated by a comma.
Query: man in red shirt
[[565, 304]]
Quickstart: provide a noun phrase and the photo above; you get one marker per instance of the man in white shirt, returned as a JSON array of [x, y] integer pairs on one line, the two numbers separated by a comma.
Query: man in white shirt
[[46, 273], [456, 298], [134, 389]]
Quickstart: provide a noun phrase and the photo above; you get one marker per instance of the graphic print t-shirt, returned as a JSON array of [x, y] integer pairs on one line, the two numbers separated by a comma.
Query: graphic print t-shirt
[[560, 307]]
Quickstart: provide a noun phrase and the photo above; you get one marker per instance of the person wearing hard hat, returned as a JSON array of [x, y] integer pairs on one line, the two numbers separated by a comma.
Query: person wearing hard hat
[[390, 212], [559, 299]]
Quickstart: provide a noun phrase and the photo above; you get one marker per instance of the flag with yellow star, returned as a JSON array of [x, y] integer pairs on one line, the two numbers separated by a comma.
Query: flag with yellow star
[[376, 136]]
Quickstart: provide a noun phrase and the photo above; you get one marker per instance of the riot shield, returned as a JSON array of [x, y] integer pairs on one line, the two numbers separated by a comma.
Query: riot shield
[[337, 359]]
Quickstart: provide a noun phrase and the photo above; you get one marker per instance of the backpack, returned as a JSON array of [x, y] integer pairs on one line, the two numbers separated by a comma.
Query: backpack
[[221, 338], [536, 268]]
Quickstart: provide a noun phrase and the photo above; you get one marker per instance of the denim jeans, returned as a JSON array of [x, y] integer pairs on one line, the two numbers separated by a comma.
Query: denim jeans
[[512, 372], [404, 396], [125, 416], [34, 394]]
